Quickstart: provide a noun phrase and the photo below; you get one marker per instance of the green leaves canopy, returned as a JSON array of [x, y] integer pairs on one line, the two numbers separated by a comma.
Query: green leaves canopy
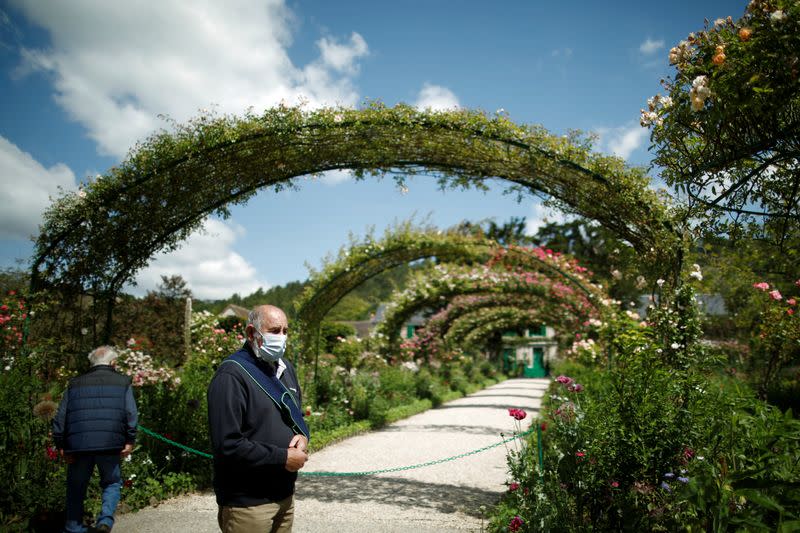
[[98, 239], [727, 134]]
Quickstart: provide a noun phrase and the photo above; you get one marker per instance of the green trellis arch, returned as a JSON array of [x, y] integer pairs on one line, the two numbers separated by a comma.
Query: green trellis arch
[[406, 243], [447, 281], [462, 310], [475, 329], [96, 240], [441, 323]]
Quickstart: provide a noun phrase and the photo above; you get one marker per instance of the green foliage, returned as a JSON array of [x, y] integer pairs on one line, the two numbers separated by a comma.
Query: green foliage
[[378, 412], [282, 296], [211, 343], [28, 460], [153, 488], [232, 324], [172, 181], [775, 343], [27, 457], [749, 476], [655, 443], [333, 333], [567, 305], [723, 135], [376, 267], [14, 279], [155, 321], [508, 233], [611, 261]]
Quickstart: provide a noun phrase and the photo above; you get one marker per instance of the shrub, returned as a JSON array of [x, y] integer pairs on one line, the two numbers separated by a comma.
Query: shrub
[[232, 324], [378, 412], [397, 385]]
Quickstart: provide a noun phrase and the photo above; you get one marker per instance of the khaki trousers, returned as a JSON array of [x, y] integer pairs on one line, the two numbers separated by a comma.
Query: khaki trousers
[[274, 517]]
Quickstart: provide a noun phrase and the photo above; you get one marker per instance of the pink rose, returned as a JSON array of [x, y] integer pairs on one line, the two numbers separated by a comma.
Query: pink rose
[[761, 286], [518, 414], [775, 295], [564, 380], [791, 301]]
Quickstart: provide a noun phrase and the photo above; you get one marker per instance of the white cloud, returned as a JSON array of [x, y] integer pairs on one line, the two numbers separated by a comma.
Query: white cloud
[[562, 52], [342, 57], [436, 97], [335, 177], [622, 141], [25, 190], [650, 46], [628, 140], [116, 67], [207, 262], [541, 215]]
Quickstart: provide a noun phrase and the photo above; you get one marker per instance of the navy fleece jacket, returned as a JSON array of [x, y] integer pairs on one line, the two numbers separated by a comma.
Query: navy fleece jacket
[[249, 437]]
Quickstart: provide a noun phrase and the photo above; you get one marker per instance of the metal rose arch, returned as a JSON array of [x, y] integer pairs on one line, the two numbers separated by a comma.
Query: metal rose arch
[[405, 243], [95, 241], [555, 301]]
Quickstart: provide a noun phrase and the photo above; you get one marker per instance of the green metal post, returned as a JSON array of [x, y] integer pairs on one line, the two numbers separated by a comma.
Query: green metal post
[[541, 451]]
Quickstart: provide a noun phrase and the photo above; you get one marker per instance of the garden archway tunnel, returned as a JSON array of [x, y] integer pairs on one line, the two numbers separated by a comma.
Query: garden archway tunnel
[[95, 241], [558, 301], [405, 244]]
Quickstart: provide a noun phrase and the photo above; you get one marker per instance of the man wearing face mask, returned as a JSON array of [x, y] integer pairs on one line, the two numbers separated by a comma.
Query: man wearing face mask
[[258, 434]]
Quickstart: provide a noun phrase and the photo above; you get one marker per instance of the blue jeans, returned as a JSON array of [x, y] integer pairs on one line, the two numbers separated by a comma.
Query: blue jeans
[[78, 474]]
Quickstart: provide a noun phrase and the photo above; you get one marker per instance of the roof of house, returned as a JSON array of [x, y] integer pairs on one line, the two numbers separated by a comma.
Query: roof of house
[[417, 319], [235, 310], [363, 327]]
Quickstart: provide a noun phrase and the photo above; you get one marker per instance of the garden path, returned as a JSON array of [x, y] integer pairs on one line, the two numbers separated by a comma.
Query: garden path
[[441, 497]]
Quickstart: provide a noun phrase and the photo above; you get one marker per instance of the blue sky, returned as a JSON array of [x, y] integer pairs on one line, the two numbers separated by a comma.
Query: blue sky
[[83, 80]]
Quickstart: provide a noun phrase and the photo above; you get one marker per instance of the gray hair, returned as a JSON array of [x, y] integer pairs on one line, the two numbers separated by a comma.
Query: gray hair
[[102, 355], [256, 317]]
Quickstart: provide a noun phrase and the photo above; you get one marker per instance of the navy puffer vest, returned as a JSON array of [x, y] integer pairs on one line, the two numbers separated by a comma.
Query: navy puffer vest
[[96, 418]]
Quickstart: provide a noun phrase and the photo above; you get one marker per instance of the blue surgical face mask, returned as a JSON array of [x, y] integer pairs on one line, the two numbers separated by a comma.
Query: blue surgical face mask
[[273, 345]]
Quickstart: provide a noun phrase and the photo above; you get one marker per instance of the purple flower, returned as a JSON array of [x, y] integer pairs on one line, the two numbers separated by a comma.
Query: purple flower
[[669, 475], [564, 380], [683, 479], [665, 486]]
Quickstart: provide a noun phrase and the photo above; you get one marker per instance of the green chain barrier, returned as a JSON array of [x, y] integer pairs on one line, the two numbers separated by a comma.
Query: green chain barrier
[[540, 449], [177, 444], [353, 474]]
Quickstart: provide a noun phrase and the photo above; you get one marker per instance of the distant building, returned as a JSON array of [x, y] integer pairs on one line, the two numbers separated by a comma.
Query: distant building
[[364, 328], [235, 310], [534, 351], [709, 304]]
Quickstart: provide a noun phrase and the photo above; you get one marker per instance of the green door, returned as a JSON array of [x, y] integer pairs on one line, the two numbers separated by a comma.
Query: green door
[[535, 367]]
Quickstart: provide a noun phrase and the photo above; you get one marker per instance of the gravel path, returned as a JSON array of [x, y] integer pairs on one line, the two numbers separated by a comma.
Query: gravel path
[[442, 497]]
